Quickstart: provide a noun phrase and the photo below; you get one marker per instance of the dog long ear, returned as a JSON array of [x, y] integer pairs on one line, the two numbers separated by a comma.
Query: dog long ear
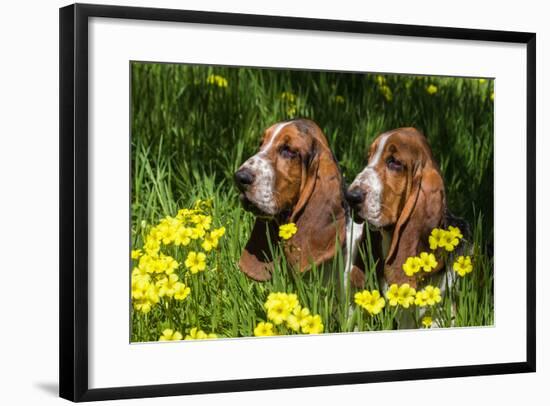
[[319, 213], [256, 260], [309, 179], [423, 211]]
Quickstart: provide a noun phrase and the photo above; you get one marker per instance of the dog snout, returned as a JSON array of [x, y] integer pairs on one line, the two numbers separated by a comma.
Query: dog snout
[[244, 178], [354, 196]]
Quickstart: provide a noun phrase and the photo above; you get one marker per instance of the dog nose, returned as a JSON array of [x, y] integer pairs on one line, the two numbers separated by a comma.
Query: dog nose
[[354, 196], [243, 177]]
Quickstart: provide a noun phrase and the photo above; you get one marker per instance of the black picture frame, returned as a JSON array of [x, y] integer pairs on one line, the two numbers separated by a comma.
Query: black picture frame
[[73, 276]]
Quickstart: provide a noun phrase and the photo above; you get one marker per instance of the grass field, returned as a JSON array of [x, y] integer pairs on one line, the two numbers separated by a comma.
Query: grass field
[[193, 126]]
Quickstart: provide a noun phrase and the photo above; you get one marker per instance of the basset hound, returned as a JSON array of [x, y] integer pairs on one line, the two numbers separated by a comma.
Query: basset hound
[[401, 194], [294, 177]]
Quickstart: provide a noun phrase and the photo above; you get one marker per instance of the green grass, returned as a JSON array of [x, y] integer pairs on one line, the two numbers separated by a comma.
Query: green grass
[[189, 137]]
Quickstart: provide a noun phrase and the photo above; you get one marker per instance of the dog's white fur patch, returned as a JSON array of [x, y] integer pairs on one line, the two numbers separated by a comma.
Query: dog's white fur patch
[[369, 181], [354, 232], [263, 195]]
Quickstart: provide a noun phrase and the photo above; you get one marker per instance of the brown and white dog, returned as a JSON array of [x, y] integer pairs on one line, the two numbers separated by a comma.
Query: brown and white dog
[[294, 177], [401, 194]]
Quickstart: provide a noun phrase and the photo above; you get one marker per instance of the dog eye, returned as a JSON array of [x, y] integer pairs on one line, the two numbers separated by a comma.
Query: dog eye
[[286, 152], [394, 164]]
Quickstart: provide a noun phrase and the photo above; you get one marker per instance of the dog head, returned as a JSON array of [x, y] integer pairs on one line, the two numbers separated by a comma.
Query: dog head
[[292, 178], [400, 192]]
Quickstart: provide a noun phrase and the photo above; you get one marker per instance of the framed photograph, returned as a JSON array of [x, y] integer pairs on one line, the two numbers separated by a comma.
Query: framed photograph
[[255, 202]]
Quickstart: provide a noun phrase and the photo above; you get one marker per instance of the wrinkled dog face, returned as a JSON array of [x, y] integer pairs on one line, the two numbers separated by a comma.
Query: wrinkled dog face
[[378, 193], [270, 181]]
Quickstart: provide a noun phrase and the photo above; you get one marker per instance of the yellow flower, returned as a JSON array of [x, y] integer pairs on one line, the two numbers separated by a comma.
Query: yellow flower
[[401, 295], [184, 213], [181, 291], [201, 205], [339, 99], [376, 303], [449, 241], [218, 232], [482, 81], [144, 295], [166, 230], [143, 306], [217, 80], [386, 92], [436, 238], [295, 320], [197, 232], [196, 334], [313, 325], [272, 298], [362, 298], [432, 295], [279, 305], [152, 294], [210, 241], [196, 262], [455, 231], [431, 89], [287, 230], [463, 265], [420, 298], [291, 299], [183, 236], [202, 221], [291, 111], [393, 295], [288, 97], [139, 287], [406, 295], [412, 265], [167, 264], [158, 265], [155, 234], [278, 311], [264, 329], [146, 263], [427, 261], [167, 286], [136, 254], [138, 273], [370, 301], [152, 246], [170, 335], [427, 321]]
